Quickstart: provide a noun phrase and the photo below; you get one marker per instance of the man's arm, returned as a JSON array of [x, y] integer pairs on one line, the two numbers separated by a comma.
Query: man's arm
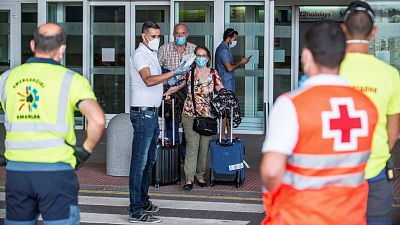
[[272, 168], [393, 126], [281, 139], [232, 67], [96, 122], [150, 80]]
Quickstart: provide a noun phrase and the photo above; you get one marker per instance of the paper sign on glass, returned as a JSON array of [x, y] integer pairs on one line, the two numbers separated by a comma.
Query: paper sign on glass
[[108, 54], [279, 55]]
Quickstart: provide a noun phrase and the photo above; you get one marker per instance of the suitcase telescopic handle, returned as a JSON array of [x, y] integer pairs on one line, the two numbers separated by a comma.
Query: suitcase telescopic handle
[[231, 126], [163, 122], [173, 121]]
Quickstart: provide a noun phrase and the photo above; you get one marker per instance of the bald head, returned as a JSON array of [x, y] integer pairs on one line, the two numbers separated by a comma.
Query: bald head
[[48, 38], [180, 30]]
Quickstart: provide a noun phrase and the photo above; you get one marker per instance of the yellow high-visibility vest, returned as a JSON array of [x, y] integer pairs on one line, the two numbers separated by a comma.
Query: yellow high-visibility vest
[[39, 100]]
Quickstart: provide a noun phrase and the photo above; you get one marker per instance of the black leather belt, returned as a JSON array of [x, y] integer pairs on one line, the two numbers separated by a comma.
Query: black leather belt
[[144, 108]]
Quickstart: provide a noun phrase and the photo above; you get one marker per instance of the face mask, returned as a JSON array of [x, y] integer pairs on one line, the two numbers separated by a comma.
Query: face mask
[[233, 44], [201, 62], [357, 42], [153, 44], [180, 40], [302, 79]]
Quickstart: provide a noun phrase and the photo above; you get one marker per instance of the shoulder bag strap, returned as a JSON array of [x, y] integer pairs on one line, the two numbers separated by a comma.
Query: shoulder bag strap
[[192, 89]]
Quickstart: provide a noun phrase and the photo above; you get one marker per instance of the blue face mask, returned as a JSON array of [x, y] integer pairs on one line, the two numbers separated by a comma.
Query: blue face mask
[[201, 62], [302, 79], [180, 40]]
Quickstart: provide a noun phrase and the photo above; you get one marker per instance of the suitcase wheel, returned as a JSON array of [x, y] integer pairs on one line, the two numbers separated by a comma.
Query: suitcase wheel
[[156, 185]]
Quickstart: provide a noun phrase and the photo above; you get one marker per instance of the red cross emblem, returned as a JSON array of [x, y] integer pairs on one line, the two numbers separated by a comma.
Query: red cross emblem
[[344, 124]]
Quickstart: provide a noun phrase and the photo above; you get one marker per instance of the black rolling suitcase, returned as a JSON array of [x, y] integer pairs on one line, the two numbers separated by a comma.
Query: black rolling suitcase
[[167, 168]]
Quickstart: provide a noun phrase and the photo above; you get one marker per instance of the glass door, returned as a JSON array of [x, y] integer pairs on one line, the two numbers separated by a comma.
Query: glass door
[[248, 18], [109, 54], [9, 39], [5, 40], [70, 16], [283, 39]]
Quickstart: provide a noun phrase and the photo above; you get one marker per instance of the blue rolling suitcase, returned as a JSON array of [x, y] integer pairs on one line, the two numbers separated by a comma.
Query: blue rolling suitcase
[[227, 161]]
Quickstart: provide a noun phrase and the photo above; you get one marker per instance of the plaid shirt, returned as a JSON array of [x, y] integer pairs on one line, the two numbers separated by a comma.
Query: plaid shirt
[[168, 55]]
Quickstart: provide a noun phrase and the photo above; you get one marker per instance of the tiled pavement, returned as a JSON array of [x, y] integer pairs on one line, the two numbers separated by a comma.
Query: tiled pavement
[[93, 174]]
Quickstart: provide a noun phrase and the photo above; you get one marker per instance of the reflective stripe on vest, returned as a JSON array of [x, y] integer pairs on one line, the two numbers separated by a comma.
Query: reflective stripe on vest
[[301, 182], [59, 127], [314, 161], [3, 82], [37, 144]]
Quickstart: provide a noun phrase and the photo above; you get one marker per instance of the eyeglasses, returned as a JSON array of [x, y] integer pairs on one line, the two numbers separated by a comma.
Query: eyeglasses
[[201, 56]]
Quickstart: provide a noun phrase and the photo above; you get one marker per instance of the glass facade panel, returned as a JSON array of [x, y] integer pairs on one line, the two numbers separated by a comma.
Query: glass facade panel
[[386, 44], [4, 40], [248, 19], [107, 32], [282, 50], [159, 14], [28, 25], [70, 17], [199, 17]]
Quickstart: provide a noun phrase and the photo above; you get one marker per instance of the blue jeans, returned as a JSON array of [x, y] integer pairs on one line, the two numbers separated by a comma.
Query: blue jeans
[[144, 155]]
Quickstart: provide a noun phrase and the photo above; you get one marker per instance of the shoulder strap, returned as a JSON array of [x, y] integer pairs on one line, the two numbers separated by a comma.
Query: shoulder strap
[[212, 72], [192, 90]]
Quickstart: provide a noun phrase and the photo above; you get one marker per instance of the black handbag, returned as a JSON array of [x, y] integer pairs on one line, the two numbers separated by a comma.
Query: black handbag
[[203, 125]]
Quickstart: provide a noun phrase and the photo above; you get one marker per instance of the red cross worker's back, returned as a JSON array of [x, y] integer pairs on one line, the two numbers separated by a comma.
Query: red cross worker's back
[[345, 123]]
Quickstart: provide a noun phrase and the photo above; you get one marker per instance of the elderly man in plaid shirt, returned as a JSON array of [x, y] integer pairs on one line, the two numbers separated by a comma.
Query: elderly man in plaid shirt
[[169, 57]]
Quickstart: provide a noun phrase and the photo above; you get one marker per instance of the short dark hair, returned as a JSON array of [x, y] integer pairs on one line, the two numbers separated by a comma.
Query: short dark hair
[[230, 32], [149, 24], [359, 18], [49, 43], [327, 43], [208, 53]]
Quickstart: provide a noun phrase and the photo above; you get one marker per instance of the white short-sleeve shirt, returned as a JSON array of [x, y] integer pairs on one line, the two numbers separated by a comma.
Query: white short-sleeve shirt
[[141, 95]]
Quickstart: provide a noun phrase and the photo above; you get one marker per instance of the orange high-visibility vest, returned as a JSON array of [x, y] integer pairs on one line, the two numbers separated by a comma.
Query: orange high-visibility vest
[[324, 181]]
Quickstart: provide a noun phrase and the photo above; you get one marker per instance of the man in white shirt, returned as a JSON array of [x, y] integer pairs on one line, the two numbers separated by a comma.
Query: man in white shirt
[[146, 96]]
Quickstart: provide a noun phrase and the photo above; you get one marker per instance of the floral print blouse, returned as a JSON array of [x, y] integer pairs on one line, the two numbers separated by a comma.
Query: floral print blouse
[[203, 94]]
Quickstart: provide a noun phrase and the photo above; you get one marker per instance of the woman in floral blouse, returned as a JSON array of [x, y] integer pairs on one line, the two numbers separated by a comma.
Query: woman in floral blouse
[[206, 81]]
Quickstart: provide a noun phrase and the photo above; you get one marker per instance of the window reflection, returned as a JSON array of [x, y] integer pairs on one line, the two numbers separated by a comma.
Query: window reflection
[[386, 44]]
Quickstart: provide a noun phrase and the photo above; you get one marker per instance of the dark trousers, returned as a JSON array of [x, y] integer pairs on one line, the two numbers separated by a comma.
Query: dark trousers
[[53, 194], [144, 155]]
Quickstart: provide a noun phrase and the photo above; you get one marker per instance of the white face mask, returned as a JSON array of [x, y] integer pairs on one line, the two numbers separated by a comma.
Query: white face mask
[[153, 44], [233, 44]]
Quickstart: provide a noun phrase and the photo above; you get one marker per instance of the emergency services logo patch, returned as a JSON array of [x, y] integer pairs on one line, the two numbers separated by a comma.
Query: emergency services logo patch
[[28, 99], [344, 124]]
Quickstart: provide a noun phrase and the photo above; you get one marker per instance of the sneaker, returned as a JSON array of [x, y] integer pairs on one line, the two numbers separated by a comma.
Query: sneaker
[[151, 208], [143, 218]]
